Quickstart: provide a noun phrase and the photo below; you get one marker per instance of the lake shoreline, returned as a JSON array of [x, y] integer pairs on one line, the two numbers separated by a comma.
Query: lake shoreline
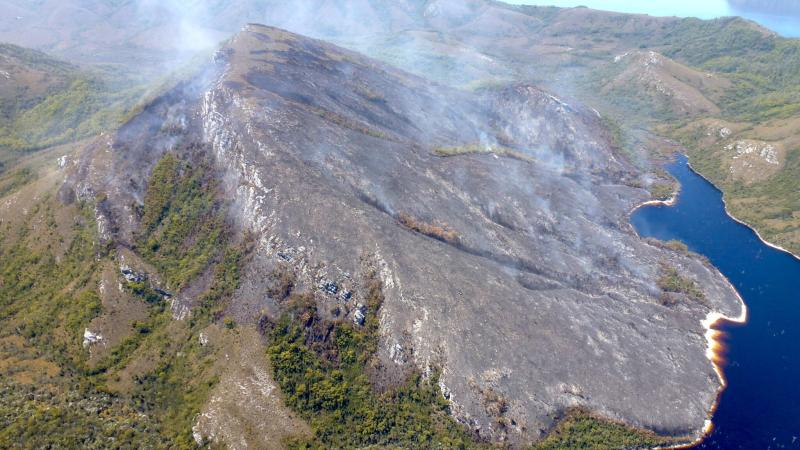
[[736, 219], [712, 319]]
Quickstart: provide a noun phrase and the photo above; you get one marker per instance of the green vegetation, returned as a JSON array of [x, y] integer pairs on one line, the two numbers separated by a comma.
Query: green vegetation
[[582, 430], [345, 122], [32, 291], [772, 206], [47, 398], [11, 182], [662, 191], [671, 281], [326, 382], [85, 108], [146, 390], [36, 59], [677, 246], [183, 220], [48, 102], [36, 417]]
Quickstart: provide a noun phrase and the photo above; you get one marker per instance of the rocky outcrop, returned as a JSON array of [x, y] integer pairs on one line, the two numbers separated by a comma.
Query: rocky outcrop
[[664, 84], [518, 277]]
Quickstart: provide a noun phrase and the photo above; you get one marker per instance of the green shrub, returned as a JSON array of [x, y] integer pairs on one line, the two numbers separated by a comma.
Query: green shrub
[[13, 181], [327, 384], [671, 281], [183, 220], [583, 430]]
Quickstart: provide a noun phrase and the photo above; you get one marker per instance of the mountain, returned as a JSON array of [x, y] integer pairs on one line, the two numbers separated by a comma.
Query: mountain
[[418, 240], [654, 81], [28, 78], [45, 101], [728, 70], [392, 227]]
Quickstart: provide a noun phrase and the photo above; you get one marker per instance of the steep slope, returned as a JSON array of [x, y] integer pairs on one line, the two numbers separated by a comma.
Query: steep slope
[[495, 225]]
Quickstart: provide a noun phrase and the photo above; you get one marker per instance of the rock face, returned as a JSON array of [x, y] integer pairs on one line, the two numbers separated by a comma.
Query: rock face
[[508, 264]]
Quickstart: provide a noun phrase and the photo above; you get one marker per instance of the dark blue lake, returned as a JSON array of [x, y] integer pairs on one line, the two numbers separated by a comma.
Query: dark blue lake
[[760, 409]]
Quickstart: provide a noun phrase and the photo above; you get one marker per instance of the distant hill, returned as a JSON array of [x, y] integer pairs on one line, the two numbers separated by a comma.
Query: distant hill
[[45, 101]]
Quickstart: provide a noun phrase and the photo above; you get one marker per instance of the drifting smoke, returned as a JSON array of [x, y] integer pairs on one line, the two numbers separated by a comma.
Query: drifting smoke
[[187, 19]]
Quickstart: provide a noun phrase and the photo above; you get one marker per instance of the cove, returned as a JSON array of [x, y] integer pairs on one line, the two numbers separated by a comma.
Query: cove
[[760, 408]]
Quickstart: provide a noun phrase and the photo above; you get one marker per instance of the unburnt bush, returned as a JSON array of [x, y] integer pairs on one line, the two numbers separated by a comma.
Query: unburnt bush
[[440, 231]]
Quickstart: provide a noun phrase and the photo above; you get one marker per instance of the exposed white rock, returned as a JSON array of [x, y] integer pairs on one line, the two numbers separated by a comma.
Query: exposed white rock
[[90, 338], [653, 59], [103, 225], [198, 437], [769, 155], [358, 315], [765, 151], [179, 309]]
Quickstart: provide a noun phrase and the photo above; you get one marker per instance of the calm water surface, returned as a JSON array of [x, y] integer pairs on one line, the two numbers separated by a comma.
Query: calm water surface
[[760, 409], [785, 22]]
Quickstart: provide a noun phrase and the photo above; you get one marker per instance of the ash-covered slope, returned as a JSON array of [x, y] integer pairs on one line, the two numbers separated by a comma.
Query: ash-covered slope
[[497, 222]]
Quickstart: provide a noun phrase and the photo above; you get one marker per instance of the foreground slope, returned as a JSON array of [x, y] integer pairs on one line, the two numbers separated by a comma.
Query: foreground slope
[[496, 222]]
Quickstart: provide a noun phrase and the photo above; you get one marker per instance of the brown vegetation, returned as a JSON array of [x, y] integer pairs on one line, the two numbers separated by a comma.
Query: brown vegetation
[[499, 150], [440, 231], [282, 282]]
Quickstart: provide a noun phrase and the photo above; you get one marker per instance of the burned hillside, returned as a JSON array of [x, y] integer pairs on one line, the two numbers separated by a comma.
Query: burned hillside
[[506, 265]]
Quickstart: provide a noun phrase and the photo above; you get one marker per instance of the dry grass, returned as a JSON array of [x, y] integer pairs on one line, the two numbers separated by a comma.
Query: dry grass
[[246, 409], [482, 149], [440, 231]]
